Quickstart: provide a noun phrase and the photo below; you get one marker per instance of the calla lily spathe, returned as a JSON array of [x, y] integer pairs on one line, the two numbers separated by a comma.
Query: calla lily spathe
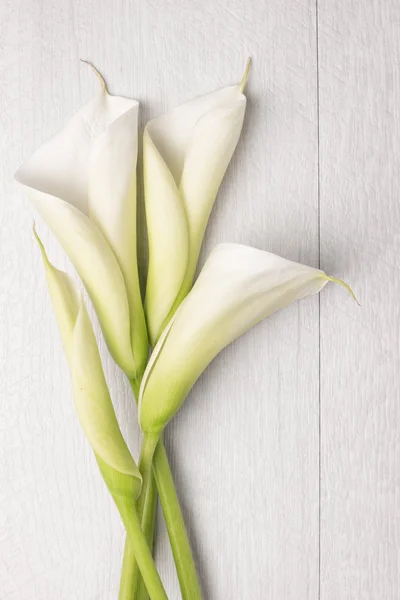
[[83, 184], [91, 396], [186, 153], [237, 287]]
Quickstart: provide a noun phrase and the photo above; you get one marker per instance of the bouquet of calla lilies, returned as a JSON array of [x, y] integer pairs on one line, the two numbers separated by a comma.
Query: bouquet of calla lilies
[[83, 184]]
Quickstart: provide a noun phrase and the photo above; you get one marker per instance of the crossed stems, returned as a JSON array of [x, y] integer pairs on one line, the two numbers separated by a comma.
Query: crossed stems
[[157, 477]]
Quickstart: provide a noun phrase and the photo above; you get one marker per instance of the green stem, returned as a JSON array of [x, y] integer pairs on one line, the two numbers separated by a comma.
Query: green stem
[[149, 446], [142, 553], [146, 507], [148, 526], [128, 573], [131, 585], [189, 585], [125, 490], [190, 588]]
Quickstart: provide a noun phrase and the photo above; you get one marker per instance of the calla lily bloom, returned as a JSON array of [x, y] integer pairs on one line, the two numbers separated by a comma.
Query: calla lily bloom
[[97, 417], [186, 153], [237, 287], [83, 184], [91, 396]]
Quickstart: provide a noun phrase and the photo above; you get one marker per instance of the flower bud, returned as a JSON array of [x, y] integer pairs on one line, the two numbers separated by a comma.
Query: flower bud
[[91, 395]]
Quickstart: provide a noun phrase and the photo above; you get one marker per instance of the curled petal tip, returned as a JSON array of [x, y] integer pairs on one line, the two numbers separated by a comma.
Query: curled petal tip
[[243, 81], [98, 74], [346, 286]]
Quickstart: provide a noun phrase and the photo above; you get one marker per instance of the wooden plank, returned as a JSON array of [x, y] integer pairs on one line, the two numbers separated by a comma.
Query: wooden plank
[[359, 56], [245, 447]]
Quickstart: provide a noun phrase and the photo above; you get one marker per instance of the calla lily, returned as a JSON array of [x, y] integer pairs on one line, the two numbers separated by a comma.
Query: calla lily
[[91, 396], [237, 287], [97, 417], [186, 153], [83, 184]]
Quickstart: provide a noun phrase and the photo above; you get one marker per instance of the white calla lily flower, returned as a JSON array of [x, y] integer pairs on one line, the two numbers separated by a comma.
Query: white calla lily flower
[[83, 184], [91, 396], [186, 153], [237, 287]]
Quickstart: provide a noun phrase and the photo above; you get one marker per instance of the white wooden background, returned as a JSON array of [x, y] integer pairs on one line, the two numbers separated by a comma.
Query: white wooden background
[[287, 454]]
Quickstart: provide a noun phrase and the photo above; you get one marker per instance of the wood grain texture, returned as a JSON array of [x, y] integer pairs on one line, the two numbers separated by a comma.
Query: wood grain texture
[[245, 447], [359, 59]]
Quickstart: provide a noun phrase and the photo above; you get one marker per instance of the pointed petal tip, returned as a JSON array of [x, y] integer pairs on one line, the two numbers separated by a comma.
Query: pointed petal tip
[[40, 243], [243, 81], [346, 286], [97, 73]]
